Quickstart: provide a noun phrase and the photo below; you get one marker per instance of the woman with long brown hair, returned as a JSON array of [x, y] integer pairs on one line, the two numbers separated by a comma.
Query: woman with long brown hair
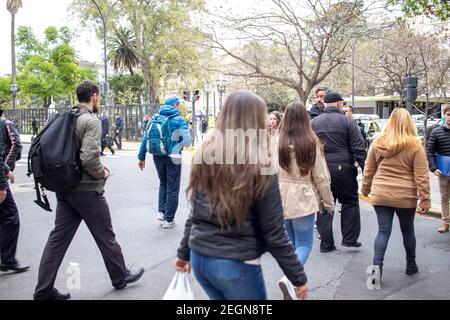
[[274, 122], [396, 176], [304, 181], [236, 212]]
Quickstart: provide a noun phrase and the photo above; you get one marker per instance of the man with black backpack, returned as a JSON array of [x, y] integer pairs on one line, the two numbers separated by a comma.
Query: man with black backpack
[[85, 201], [10, 152], [165, 138]]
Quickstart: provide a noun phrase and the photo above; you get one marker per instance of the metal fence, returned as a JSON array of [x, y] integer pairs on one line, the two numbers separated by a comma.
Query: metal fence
[[133, 117]]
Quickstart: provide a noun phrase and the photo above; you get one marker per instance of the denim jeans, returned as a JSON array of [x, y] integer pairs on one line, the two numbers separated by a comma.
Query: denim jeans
[[385, 216], [169, 175], [301, 234], [226, 279]]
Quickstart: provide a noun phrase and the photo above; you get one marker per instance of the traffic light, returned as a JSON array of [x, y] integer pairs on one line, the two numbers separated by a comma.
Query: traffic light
[[196, 95], [187, 95], [410, 91]]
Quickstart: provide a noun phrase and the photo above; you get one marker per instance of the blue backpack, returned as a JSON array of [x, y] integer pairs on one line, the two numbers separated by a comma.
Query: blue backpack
[[159, 135]]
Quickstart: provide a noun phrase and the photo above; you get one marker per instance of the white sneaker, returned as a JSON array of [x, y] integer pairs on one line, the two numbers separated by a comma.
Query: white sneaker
[[287, 288], [168, 225], [160, 216]]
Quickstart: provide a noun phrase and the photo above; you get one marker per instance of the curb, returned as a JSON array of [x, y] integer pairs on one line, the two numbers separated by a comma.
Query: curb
[[433, 213]]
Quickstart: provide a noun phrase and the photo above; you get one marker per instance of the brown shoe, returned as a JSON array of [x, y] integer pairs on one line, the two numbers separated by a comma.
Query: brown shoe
[[445, 227]]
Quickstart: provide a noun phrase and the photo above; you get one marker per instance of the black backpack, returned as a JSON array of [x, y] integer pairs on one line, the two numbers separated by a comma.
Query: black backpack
[[54, 157]]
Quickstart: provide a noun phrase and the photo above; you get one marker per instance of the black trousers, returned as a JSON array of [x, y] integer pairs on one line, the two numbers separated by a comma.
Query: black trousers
[[71, 209], [9, 229], [104, 144], [344, 186], [118, 139]]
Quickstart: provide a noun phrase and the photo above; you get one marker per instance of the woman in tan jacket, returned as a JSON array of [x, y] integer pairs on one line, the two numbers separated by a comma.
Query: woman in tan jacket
[[396, 176], [304, 181]]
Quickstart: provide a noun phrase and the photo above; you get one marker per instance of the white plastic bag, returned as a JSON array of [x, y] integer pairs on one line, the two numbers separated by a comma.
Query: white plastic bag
[[179, 288]]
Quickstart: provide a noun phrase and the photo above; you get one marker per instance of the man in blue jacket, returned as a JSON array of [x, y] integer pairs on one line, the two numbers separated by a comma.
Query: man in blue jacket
[[169, 167]]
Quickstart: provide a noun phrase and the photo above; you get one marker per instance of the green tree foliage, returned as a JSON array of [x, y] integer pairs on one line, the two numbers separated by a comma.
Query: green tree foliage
[[48, 68], [431, 8], [127, 89], [5, 93], [122, 48], [162, 31]]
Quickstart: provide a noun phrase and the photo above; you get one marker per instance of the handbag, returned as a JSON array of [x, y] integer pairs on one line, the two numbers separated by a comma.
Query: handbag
[[179, 288]]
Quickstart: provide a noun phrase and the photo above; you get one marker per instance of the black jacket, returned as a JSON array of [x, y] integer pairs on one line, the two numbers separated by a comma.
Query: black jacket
[[263, 231], [439, 143], [362, 129], [316, 111], [105, 127], [341, 137], [10, 145], [3, 179]]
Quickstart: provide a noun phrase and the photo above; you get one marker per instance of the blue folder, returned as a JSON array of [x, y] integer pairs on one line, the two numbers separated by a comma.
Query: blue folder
[[443, 164]]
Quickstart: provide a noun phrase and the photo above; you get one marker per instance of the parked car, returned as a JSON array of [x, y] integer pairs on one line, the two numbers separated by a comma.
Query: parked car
[[431, 125], [365, 117], [372, 129]]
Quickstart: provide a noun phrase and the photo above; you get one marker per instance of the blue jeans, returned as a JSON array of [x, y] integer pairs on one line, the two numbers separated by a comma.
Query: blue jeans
[[226, 279], [169, 175], [301, 234], [385, 216]]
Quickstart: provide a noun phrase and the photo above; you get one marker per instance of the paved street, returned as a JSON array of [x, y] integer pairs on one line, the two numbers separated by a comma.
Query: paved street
[[132, 196]]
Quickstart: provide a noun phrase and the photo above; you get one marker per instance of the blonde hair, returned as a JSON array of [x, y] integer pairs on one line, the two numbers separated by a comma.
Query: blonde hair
[[400, 132]]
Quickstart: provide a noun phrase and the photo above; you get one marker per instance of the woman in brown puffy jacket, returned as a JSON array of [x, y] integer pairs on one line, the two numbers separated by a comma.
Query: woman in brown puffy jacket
[[396, 176]]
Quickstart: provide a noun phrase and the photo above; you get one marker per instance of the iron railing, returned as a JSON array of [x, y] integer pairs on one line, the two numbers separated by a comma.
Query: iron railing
[[133, 117]]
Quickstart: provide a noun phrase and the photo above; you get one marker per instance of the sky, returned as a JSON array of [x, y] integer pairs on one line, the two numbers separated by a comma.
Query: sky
[[40, 14]]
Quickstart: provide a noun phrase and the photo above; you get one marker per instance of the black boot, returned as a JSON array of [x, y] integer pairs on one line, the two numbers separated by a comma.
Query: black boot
[[411, 268]]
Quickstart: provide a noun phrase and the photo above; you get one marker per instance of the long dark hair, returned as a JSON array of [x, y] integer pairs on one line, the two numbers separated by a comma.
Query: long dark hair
[[230, 188], [296, 132]]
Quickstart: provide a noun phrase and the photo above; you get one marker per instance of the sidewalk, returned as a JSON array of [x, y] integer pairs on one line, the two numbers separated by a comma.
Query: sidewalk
[[434, 186]]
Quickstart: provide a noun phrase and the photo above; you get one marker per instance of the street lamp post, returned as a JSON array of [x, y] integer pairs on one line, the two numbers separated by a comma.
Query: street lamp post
[[13, 7], [221, 88], [208, 89], [105, 57], [353, 75]]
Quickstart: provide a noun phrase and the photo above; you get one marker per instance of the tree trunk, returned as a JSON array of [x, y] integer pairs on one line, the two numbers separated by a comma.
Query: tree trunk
[[147, 80], [47, 102], [155, 91], [301, 94]]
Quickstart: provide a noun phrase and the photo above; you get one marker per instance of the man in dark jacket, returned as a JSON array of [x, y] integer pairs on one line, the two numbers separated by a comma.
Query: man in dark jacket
[[84, 202], [344, 151], [349, 111], [10, 148], [318, 108], [439, 145], [105, 134], [118, 131], [35, 126], [10, 144]]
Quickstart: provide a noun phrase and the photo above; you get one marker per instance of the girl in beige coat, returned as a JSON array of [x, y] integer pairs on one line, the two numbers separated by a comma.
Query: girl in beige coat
[[304, 181]]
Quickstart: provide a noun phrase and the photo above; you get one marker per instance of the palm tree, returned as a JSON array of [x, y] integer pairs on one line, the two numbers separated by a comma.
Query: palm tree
[[122, 50], [13, 6]]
